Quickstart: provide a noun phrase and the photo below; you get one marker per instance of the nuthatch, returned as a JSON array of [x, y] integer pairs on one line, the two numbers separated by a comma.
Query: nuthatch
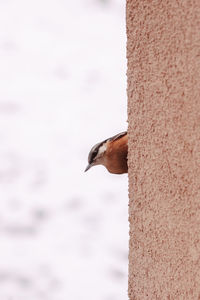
[[111, 153]]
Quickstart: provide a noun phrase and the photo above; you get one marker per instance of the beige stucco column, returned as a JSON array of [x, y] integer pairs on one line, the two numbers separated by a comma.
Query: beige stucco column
[[163, 53]]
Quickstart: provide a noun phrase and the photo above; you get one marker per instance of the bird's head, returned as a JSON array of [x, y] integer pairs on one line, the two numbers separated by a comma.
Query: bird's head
[[96, 155]]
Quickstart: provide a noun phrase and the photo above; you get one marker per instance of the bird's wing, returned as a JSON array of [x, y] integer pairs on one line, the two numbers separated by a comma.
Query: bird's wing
[[117, 136]]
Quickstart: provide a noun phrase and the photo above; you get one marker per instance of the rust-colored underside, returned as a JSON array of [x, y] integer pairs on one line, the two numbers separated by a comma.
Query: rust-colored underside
[[116, 159]]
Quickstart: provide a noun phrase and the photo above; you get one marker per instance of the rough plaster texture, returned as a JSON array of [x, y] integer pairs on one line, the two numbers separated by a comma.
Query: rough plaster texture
[[163, 53]]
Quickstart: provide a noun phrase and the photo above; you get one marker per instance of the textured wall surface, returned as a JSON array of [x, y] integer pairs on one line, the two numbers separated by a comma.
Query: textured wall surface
[[164, 148]]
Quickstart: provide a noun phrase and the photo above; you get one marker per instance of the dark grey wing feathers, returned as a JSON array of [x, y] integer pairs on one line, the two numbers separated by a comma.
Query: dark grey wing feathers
[[117, 136]]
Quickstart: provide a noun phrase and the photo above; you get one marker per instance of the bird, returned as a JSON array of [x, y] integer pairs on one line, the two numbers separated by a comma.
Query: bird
[[111, 153]]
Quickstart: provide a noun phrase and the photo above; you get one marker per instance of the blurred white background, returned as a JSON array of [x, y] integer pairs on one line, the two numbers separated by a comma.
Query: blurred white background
[[63, 232]]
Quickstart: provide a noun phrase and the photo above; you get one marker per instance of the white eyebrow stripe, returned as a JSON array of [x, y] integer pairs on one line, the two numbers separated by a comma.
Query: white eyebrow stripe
[[102, 149]]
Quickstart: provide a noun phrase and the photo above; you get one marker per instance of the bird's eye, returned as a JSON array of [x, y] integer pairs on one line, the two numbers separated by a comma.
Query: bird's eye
[[94, 154]]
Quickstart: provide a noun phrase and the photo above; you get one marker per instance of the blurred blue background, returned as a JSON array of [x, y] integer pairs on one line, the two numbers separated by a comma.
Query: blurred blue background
[[63, 232]]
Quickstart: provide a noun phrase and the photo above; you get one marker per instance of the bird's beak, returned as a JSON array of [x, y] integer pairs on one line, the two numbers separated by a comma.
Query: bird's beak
[[88, 167]]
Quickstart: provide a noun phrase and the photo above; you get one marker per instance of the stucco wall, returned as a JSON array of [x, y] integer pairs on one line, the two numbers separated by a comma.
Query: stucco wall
[[164, 148]]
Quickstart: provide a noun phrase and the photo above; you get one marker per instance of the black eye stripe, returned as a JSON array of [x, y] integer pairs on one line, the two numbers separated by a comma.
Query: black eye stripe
[[94, 155]]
